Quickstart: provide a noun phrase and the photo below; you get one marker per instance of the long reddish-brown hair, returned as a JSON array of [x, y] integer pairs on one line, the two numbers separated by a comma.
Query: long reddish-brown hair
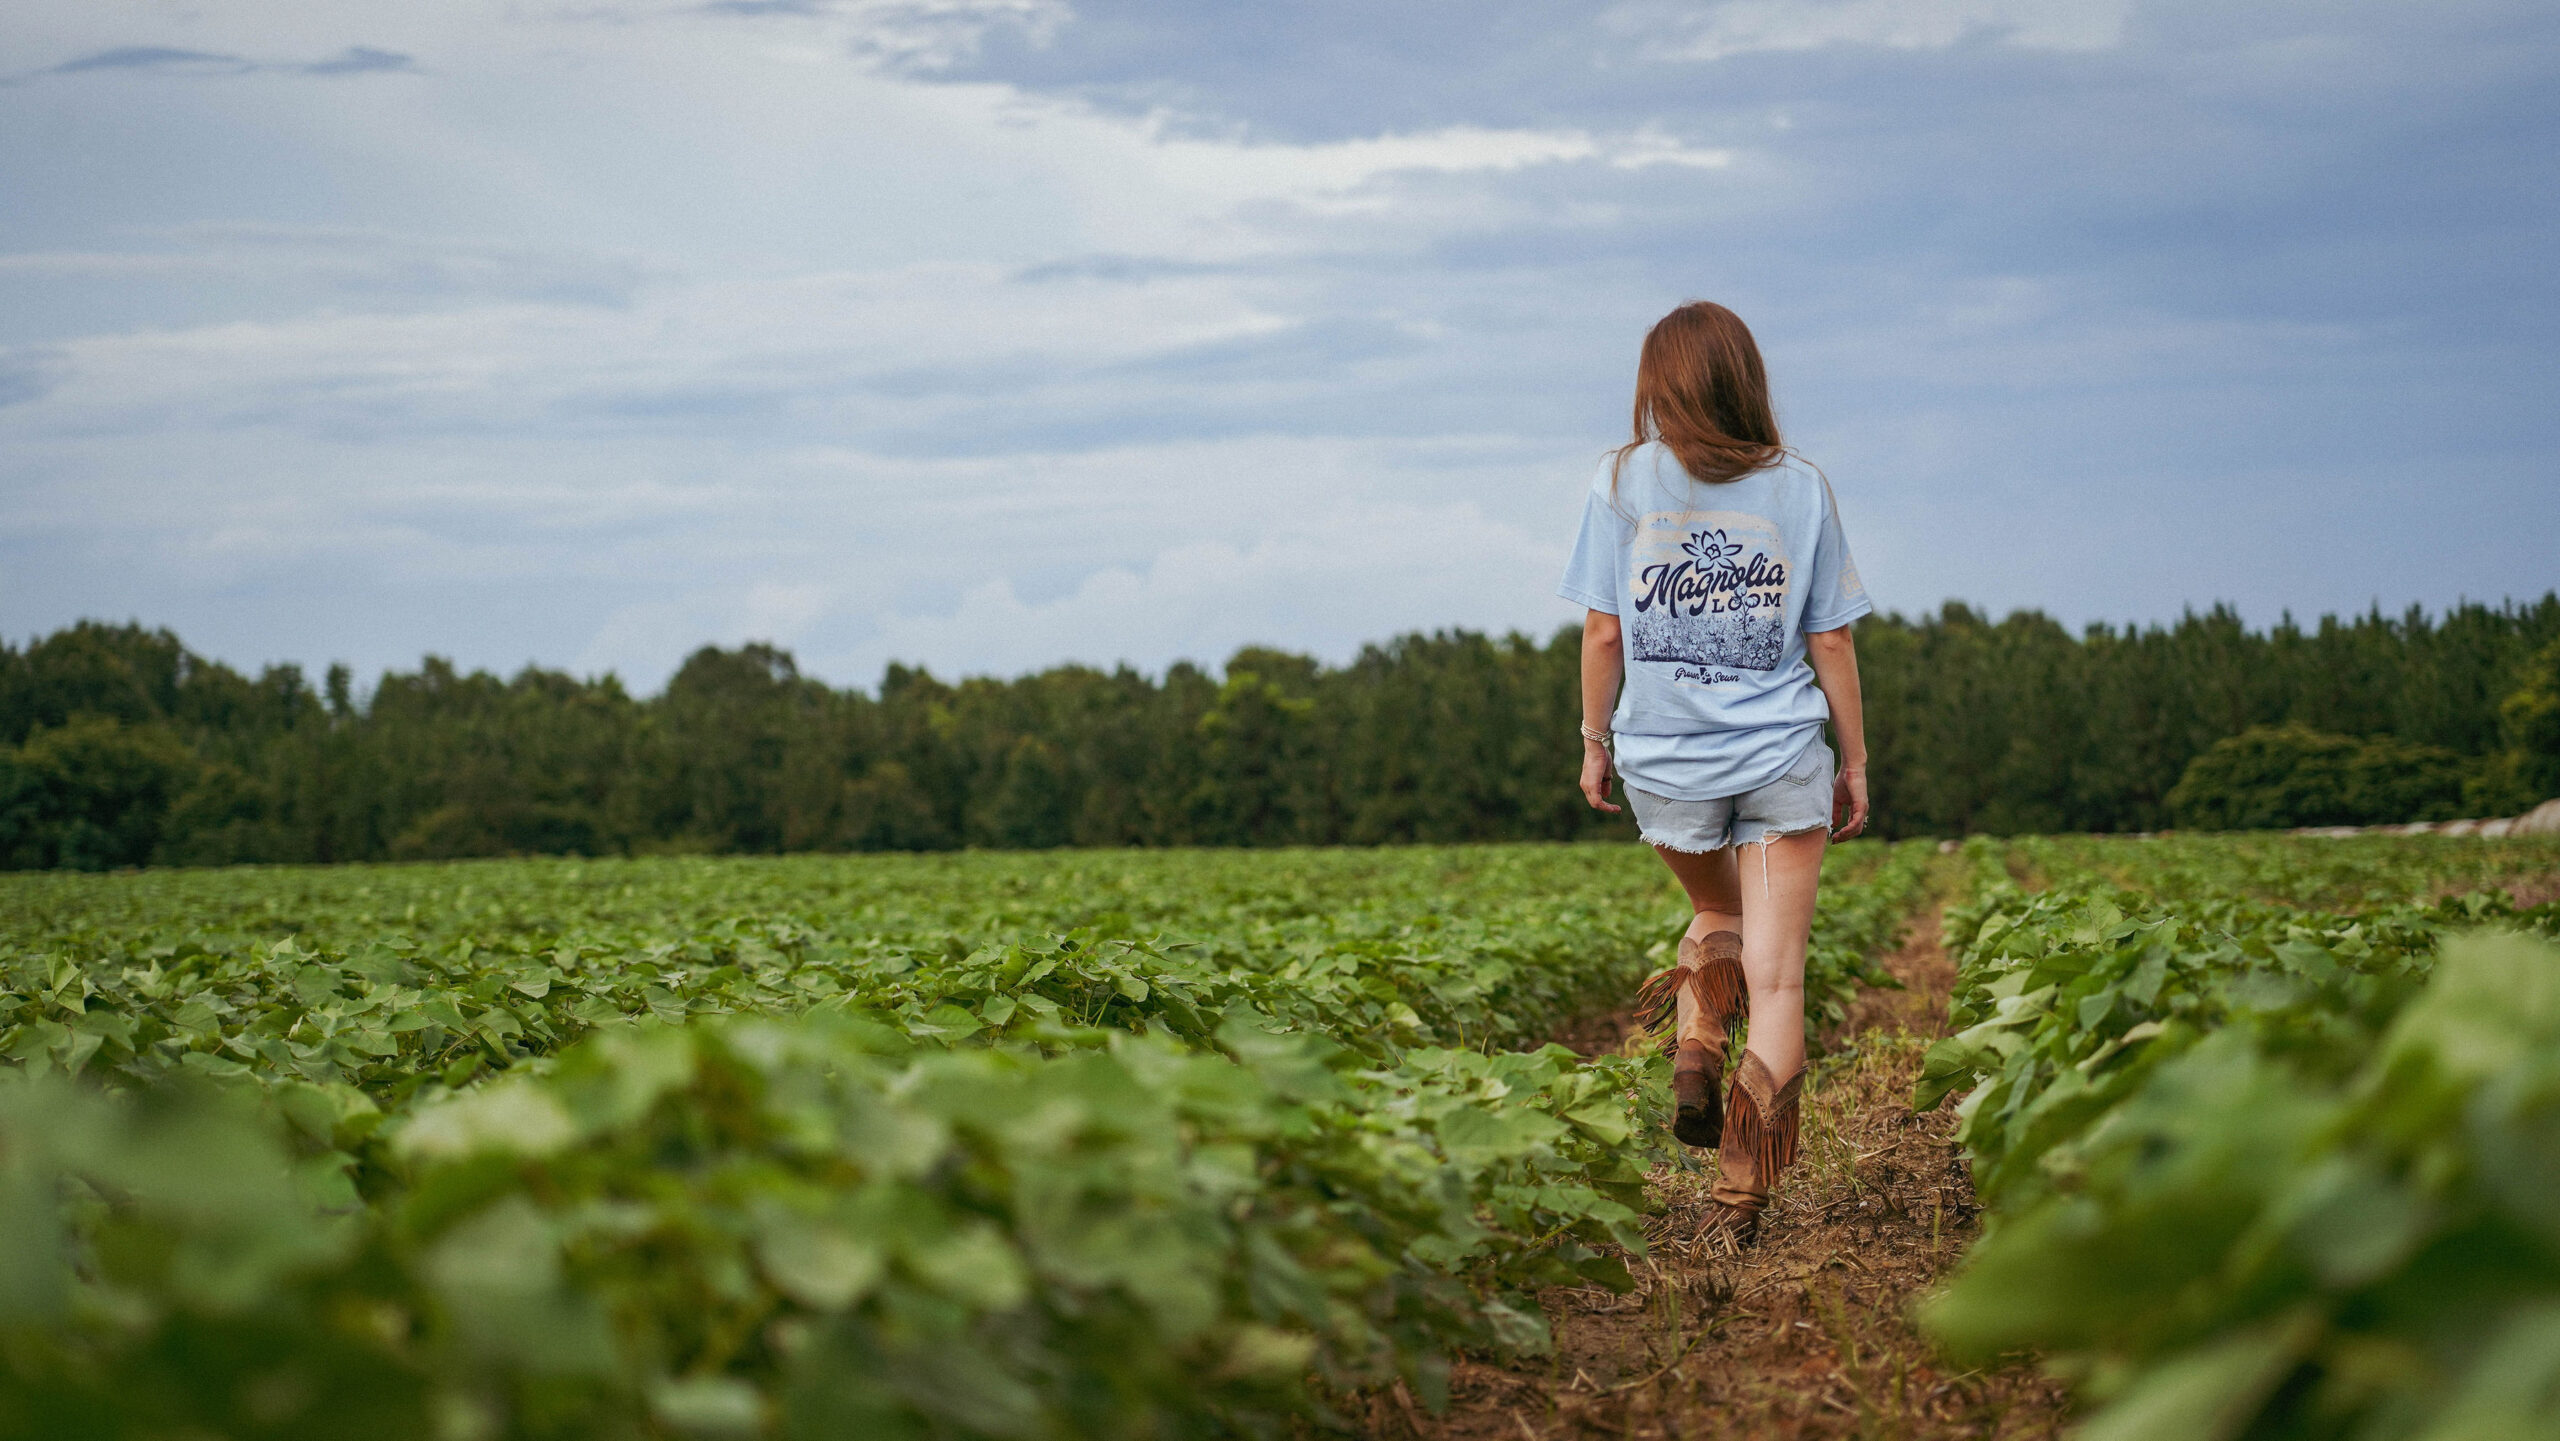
[[1701, 391]]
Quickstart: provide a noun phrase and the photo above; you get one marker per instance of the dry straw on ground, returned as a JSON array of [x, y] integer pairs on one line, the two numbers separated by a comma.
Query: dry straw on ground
[[1806, 1335]]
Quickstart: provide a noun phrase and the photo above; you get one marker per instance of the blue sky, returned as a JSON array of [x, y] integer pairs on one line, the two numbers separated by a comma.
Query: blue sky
[[989, 334]]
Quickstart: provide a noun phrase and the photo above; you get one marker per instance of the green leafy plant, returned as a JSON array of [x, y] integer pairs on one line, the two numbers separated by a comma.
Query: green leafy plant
[[970, 1146], [2260, 1171]]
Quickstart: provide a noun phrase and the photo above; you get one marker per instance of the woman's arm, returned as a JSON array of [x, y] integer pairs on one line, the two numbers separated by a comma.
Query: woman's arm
[[1834, 654], [1604, 665]]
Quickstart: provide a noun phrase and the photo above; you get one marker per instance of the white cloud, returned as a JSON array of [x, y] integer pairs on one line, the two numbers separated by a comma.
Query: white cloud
[[1236, 173], [341, 263], [602, 331], [804, 340], [712, 141], [646, 548], [924, 35], [1325, 578], [1739, 27]]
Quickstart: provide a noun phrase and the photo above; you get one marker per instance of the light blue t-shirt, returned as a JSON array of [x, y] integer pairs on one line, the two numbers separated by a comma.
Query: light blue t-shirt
[[1715, 587]]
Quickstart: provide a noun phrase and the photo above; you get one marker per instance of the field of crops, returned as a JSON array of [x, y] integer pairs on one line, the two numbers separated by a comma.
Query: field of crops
[[1193, 1143], [1030, 1145], [2270, 1129]]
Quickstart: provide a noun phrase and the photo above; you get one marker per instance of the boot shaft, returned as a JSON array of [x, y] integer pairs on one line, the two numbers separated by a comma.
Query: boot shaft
[[1709, 969], [1760, 1134]]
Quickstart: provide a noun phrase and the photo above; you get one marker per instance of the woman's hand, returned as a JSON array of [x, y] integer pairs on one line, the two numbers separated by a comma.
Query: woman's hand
[[1595, 777], [1834, 654], [1604, 667], [1849, 799]]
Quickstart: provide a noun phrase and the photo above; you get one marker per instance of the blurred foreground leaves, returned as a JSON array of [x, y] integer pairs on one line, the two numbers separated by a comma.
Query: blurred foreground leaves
[[2260, 1172]]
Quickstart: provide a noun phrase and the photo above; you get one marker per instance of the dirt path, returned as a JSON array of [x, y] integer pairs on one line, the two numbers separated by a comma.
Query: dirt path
[[1806, 1335]]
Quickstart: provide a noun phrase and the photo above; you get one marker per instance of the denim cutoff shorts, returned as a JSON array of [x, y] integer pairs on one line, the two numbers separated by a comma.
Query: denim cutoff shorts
[[1796, 802]]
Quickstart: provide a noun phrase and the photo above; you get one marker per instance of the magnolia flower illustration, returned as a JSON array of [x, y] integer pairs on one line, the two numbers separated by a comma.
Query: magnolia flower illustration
[[1710, 547]]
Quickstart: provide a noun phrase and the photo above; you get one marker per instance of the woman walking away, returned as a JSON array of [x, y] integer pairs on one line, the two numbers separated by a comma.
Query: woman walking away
[[1720, 593]]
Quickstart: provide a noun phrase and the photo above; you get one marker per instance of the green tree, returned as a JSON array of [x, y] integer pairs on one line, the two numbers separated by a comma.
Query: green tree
[[91, 793], [1035, 801], [1259, 781], [1974, 723], [2529, 722], [2291, 775]]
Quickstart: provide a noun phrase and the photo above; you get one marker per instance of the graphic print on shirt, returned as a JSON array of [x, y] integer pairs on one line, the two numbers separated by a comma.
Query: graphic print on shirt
[[1709, 589]]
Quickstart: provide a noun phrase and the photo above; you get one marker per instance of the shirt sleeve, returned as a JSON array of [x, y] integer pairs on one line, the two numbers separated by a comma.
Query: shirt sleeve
[[1591, 575], [1834, 596]]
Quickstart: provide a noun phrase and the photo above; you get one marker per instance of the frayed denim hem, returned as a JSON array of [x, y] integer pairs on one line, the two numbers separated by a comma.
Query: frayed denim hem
[[1794, 804], [1768, 836], [1773, 833], [1660, 844]]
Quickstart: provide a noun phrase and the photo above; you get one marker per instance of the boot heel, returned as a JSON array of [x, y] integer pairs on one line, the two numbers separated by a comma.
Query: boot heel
[[1697, 1099]]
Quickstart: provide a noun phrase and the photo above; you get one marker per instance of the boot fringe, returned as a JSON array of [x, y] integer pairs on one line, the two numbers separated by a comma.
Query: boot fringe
[[1659, 997], [1768, 1131], [1658, 1008], [1715, 978], [1746, 1130], [1778, 1141], [1722, 991]]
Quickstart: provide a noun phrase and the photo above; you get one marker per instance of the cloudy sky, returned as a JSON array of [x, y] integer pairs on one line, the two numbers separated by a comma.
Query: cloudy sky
[[994, 333]]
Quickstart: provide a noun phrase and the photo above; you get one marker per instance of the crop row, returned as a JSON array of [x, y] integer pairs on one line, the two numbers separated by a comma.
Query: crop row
[[2256, 1169], [2329, 873], [812, 1224], [351, 995], [592, 1157]]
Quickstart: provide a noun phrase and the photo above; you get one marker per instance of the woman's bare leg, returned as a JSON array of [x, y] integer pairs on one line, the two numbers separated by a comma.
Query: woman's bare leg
[[1778, 881], [1715, 904]]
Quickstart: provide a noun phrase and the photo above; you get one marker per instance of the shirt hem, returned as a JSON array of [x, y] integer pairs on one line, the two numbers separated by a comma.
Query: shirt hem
[[1587, 600], [1725, 791], [1844, 618], [1645, 723]]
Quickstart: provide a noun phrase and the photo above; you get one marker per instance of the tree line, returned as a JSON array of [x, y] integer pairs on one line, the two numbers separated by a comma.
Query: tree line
[[118, 746]]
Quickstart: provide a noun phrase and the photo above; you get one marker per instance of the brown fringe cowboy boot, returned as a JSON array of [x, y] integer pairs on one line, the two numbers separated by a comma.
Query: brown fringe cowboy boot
[[1710, 969], [1759, 1142]]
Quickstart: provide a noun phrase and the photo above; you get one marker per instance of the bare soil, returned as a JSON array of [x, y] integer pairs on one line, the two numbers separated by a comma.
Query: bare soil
[[1808, 1334], [2534, 890]]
